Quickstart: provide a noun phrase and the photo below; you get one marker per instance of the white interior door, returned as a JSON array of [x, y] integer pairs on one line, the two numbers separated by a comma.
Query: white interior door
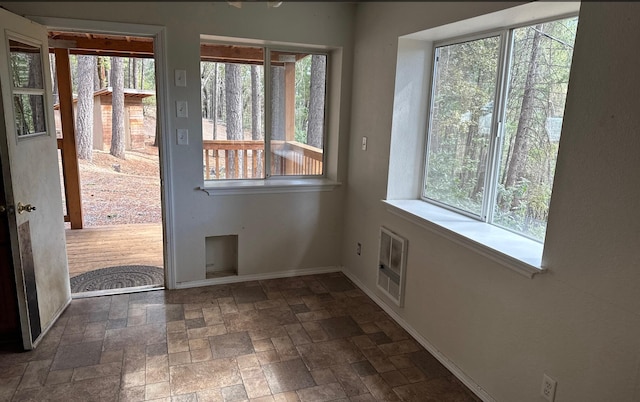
[[29, 159]]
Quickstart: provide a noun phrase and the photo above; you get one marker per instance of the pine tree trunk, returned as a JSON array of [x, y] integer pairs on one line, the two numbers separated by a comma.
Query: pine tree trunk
[[37, 107], [127, 72], [256, 117], [277, 103], [214, 95], [205, 95], [96, 74], [233, 89], [102, 79], [256, 110], [156, 139], [54, 74], [142, 74], [520, 145], [206, 100], [469, 150], [84, 111], [117, 108], [315, 126], [134, 73], [221, 94]]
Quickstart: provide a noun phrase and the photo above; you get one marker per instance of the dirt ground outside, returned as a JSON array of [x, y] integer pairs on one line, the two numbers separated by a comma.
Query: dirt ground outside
[[122, 191], [127, 191]]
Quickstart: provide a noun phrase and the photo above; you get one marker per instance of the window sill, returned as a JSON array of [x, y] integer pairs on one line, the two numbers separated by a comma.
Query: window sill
[[508, 249], [271, 186]]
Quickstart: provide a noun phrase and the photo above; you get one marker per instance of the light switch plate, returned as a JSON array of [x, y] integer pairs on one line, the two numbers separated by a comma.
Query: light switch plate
[[181, 109], [183, 136], [364, 143], [181, 78]]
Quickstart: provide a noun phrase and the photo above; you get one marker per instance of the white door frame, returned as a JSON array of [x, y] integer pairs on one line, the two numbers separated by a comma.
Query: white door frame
[[162, 84]]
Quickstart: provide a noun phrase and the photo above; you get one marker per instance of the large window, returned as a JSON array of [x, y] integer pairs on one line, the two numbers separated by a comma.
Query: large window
[[263, 112], [497, 103]]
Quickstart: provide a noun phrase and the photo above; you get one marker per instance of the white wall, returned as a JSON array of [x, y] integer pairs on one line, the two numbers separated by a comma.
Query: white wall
[[277, 232], [579, 322]]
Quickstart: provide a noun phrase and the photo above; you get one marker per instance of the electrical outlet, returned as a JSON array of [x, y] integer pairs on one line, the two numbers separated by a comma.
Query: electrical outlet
[[548, 390], [359, 249]]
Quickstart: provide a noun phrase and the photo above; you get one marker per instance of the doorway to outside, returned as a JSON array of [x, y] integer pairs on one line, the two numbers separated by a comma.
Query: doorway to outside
[[109, 162]]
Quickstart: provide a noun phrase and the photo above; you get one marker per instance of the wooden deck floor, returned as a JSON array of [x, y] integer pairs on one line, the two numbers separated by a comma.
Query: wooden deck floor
[[106, 246]]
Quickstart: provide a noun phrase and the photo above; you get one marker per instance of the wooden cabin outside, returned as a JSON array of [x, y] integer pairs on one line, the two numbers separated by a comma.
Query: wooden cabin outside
[[133, 121]]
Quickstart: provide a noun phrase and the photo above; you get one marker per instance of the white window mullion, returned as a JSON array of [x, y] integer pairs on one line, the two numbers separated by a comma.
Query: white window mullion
[[267, 112], [497, 132], [423, 178]]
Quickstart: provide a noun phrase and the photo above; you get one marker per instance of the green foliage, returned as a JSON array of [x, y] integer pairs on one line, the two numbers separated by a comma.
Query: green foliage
[[465, 82], [528, 211], [464, 89], [303, 86], [524, 206], [149, 74]]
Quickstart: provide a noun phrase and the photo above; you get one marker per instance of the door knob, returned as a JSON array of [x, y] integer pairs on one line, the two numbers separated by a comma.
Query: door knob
[[25, 208]]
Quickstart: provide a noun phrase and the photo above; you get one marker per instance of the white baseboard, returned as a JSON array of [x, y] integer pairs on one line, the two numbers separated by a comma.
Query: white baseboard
[[455, 370], [257, 277]]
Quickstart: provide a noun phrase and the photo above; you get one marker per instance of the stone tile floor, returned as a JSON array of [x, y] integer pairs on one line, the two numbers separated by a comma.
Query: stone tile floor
[[311, 338]]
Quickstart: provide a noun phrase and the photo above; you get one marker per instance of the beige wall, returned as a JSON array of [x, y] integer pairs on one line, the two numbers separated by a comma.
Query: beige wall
[[277, 232], [579, 322]]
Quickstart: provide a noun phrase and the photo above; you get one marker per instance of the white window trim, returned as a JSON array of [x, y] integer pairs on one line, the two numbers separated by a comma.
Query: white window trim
[[268, 186], [409, 137], [509, 249]]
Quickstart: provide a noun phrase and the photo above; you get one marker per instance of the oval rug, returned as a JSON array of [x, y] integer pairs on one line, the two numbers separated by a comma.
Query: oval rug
[[122, 276]]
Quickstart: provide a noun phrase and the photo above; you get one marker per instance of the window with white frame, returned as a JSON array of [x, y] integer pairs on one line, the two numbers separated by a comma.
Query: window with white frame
[[496, 108], [263, 112]]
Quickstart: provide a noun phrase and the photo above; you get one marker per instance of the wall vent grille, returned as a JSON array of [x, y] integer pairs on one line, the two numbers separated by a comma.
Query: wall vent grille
[[391, 265]]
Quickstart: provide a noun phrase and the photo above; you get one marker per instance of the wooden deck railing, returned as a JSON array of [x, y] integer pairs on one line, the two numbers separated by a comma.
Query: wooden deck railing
[[227, 159]]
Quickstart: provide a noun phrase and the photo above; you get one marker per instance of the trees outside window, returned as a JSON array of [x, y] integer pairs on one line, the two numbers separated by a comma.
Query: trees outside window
[[84, 111], [117, 108], [244, 138], [233, 94], [315, 125], [494, 132], [27, 88]]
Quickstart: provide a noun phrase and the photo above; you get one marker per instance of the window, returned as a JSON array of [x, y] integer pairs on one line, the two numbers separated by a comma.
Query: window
[[496, 109], [27, 89], [263, 112]]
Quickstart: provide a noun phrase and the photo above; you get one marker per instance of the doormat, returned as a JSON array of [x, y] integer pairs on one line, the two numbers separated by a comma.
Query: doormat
[[122, 276]]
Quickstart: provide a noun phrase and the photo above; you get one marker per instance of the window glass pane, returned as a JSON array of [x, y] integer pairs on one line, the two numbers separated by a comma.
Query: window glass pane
[[29, 113], [26, 65], [298, 86], [232, 80], [463, 93], [537, 87]]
